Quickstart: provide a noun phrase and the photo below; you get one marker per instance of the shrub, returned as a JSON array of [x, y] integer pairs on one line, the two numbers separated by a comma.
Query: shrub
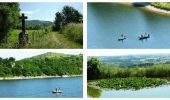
[[74, 32]]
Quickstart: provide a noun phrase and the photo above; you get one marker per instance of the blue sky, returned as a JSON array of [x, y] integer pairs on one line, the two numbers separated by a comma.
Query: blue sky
[[25, 53], [46, 11]]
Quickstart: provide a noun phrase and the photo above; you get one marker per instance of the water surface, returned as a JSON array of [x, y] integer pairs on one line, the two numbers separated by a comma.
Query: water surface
[[107, 21], [157, 92], [42, 88]]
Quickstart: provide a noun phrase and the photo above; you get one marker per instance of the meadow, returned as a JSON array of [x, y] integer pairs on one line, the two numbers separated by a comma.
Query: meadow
[[46, 38]]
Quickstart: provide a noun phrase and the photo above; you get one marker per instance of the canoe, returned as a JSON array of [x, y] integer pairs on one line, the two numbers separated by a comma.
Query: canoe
[[54, 91], [144, 37], [121, 39]]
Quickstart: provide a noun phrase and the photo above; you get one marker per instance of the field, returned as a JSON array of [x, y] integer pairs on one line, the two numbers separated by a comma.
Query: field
[[41, 39]]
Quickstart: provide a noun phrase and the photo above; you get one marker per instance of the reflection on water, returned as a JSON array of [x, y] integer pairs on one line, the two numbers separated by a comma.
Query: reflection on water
[[158, 92], [107, 21], [93, 92]]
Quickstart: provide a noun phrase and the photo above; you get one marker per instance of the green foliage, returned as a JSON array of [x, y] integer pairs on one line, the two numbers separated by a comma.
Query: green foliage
[[9, 18], [161, 5], [74, 32], [93, 68], [133, 83], [55, 64], [71, 15], [68, 15], [58, 21]]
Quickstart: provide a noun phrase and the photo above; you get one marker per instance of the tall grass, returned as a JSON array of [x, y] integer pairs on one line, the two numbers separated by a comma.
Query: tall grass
[[43, 38], [155, 71], [74, 32]]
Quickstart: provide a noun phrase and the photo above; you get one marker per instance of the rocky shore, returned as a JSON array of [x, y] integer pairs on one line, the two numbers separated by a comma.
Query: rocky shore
[[35, 77]]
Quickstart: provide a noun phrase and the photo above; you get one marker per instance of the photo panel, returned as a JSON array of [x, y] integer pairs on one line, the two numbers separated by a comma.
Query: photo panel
[[128, 74], [41, 25], [128, 25], [41, 73]]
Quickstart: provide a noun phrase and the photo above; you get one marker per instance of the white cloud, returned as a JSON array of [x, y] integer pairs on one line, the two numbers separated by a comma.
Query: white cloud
[[30, 12]]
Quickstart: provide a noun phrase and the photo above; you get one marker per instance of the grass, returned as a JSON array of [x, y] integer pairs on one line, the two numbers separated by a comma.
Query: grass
[[41, 39], [155, 71], [74, 32], [161, 5], [133, 83]]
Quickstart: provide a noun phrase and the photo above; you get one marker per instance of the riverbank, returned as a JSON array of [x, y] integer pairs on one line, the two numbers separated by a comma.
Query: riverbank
[[35, 77], [157, 10], [149, 8]]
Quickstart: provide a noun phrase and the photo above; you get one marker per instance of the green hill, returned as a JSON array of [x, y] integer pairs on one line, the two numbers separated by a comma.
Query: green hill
[[50, 64], [49, 55], [37, 24]]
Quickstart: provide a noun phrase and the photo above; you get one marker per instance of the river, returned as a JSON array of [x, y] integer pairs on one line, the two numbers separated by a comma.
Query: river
[[42, 88], [107, 21]]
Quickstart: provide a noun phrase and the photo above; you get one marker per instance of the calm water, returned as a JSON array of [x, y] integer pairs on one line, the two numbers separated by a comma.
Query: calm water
[[72, 87], [158, 92], [106, 22]]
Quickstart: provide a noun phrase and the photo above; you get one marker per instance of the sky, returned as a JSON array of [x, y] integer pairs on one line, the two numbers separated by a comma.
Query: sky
[[25, 53], [46, 11]]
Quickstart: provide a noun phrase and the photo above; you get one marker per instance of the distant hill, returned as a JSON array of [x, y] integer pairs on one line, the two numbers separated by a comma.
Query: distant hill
[[37, 24], [135, 60]]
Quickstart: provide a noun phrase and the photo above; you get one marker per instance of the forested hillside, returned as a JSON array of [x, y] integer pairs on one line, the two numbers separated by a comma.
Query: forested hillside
[[50, 64], [37, 24]]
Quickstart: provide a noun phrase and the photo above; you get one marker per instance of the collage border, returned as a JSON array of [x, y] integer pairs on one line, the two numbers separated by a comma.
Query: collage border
[[85, 50]]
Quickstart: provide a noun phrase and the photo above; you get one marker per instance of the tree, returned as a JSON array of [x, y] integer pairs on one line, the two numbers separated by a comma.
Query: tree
[[58, 21], [68, 15], [92, 68], [9, 18], [2, 74], [17, 70], [71, 15]]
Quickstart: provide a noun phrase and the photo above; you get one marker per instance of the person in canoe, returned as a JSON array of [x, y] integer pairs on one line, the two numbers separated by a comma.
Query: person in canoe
[[144, 36], [122, 37]]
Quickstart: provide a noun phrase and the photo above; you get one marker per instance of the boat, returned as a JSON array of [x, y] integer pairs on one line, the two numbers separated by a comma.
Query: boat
[[57, 90], [145, 36], [121, 38]]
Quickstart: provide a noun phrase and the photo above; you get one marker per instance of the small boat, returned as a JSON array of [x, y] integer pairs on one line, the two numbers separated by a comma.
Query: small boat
[[121, 38], [145, 36], [57, 90]]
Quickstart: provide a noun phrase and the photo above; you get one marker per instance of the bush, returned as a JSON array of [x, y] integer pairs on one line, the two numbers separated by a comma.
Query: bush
[[74, 32]]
